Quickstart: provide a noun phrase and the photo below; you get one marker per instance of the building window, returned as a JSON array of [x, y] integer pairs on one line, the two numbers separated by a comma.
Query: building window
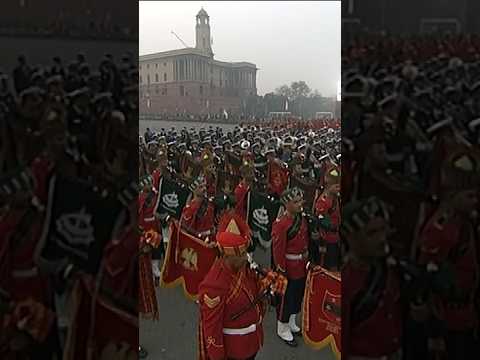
[[203, 41], [165, 77], [156, 77], [156, 66], [148, 66], [148, 79], [201, 90], [165, 64], [164, 91], [182, 90], [156, 89]]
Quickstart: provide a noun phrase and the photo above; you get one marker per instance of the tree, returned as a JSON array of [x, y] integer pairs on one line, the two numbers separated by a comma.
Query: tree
[[293, 92], [299, 89], [315, 94], [285, 91]]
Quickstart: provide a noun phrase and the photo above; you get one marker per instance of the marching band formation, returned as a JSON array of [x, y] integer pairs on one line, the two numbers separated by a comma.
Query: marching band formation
[[65, 277], [293, 169], [410, 120]]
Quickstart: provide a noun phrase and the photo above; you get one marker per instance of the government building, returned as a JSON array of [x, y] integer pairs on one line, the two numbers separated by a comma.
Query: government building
[[191, 81]]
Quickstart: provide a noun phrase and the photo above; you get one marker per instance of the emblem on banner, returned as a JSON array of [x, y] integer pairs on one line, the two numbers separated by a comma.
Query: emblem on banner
[[189, 259], [261, 216], [76, 228], [332, 310], [171, 200]]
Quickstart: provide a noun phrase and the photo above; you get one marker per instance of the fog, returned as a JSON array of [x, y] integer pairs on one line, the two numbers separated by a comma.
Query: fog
[[287, 41]]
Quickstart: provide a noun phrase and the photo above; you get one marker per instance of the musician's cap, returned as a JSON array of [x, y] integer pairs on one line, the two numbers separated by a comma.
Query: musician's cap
[[332, 175], [78, 93], [54, 79], [461, 170], [269, 150], [357, 214], [245, 144], [302, 146], [102, 97], [288, 141], [291, 194], [32, 91], [233, 235]]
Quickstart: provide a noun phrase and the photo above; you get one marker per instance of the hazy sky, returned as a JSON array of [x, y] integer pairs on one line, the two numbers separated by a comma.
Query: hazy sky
[[288, 41]]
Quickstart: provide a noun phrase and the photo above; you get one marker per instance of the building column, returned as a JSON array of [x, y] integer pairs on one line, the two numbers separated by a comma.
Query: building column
[[191, 69]]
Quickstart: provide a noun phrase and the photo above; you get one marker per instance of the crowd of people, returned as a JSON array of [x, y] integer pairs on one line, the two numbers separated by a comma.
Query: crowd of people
[[410, 181], [76, 21], [77, 124], [297, 165]]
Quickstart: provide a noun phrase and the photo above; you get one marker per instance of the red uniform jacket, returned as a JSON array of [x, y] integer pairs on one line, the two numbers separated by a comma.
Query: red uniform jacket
[[222, 294], [195, 221], [41, 170], [146, 213], [156, 175], [241, 192], [380, 334], [295, 269], [323, 207], [440, 239]]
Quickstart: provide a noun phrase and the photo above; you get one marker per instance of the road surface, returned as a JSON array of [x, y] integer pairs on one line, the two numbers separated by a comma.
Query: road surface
[[174, 337]]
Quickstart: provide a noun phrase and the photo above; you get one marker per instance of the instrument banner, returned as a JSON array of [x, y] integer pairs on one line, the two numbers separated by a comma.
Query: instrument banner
[[172, 199], [79, 222], [187, 262], [262, 210], [322, 310]]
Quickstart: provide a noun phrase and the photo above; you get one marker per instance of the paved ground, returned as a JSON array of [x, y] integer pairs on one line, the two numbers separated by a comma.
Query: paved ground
[[174, 337]]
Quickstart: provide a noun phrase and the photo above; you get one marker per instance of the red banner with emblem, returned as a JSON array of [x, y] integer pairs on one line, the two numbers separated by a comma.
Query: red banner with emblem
[[187, 262], [94, 316], [322, 310]]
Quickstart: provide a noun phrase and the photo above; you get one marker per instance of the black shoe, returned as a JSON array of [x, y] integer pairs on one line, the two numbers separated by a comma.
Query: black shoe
[[142, 353], [292, 343], [299, 334]]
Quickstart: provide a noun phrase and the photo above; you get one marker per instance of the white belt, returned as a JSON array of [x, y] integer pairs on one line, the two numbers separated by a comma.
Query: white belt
[[149, 219], [243, 331], [294, 256]]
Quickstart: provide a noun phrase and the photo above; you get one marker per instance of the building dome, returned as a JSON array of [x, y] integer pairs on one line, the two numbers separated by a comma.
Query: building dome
[[202, 12]]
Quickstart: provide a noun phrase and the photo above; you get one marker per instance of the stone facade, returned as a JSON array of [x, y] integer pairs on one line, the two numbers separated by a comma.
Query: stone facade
[[191, 80]]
